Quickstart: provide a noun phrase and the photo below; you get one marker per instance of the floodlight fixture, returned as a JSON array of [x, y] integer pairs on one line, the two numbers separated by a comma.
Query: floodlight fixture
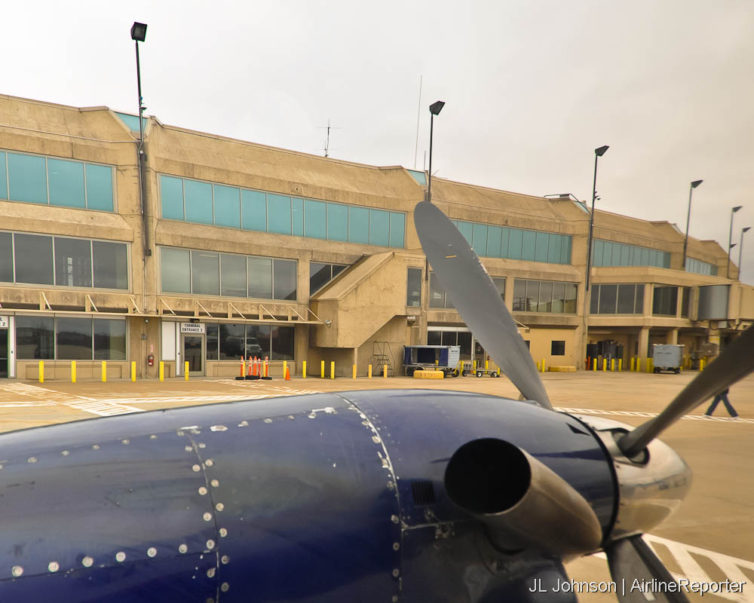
[[139, 31]]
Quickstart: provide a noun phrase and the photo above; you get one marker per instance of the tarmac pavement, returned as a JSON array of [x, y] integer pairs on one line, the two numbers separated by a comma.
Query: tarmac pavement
[[710, 537]]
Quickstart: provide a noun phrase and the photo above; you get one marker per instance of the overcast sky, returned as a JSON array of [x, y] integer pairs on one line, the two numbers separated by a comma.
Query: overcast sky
[[531, 86]]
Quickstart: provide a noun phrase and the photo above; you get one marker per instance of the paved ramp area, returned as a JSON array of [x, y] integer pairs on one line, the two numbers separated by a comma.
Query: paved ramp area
[[710, 539]]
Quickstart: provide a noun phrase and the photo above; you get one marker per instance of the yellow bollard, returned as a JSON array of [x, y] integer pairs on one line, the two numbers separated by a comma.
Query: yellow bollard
[[650, 365], [322, 369], [104, 371], [332, 369], [474, 366], [354, 371], [594, 364], [604, 364], [620, 365], [461, 371], [303, 370], [633, 363], [612, 365], [133, 372], [73, 371], [384, 371], [370, 371], [285, 368], [487, 364], [186, 370], [41, 371], [162, 370], [701, 364]]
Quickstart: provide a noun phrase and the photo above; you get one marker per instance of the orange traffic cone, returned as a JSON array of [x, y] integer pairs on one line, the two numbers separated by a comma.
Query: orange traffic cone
[[243, 365], [287, 374]]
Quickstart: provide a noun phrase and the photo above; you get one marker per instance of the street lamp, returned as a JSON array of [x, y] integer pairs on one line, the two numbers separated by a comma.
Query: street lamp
[[694, 184], [730, 237], [434, 109], [598, 152], [139, 34], [741, 249]]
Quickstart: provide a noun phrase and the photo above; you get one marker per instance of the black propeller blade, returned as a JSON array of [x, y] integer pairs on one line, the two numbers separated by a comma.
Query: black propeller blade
[[636, 570], [477, 300], [734, 363]]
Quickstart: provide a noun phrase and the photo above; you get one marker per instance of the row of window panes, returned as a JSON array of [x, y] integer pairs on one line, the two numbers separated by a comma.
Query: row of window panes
[[50, 181], [62, 261], [544, 296], [617, 299], [231, 341], [459, 338], [208, 203], [211, 273], [439, 299], [609, 253], [516, 243], [665, 301], [700, 267], [47, 338], [320, 274]]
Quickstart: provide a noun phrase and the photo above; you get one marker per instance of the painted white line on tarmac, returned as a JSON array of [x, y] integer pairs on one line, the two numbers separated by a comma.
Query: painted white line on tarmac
[[633, 413], [683, 557]]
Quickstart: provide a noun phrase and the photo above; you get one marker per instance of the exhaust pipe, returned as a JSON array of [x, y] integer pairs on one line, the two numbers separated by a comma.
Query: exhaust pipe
[[523, 503]]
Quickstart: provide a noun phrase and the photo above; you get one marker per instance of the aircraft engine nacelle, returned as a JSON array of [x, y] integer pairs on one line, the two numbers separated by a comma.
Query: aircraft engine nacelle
[[524, 504]]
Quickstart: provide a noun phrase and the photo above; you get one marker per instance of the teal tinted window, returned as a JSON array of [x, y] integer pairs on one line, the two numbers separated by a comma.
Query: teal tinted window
[[379, 226], [99, 187], [515, 242], [26, 178], [494, 235], [505, 234], [358, 225], [541, 244], [625, 255], [171, 196], [315, 219], [66, 183], [597, 247], [3, 178], [467, 230], [554, 252], [253, 210], [337, 222], [198, 197], [529, 245], [278, 214], [259, 277], [479, 238], [227, 206], [565, 249], [397, 229], [297, 216]]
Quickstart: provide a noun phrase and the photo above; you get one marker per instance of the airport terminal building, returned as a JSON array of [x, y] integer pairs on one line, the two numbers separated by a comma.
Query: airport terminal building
[[226, 248]]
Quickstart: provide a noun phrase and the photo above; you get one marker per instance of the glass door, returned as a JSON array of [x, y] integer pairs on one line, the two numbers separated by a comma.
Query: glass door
[[193, 353], [3, 353]]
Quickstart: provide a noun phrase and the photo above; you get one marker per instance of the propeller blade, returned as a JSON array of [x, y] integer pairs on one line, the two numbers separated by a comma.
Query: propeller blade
[[734, 363], [633, 565], [477, 300]]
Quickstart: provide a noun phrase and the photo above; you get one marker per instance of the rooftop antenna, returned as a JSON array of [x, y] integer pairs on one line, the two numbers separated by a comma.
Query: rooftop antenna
[[327, 137], [418, 114]]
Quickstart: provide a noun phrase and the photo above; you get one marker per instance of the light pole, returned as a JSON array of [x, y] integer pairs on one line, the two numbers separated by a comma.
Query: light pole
[[598, 152], [730, 237], [434, 109], [741, 249], [694, 184], [139, 34]]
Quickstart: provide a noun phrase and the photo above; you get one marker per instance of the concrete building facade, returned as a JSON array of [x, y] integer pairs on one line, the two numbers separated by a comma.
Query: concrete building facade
[[236, 249]]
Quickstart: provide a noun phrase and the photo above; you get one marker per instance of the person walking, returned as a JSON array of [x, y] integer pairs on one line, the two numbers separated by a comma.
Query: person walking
[[722, 397]]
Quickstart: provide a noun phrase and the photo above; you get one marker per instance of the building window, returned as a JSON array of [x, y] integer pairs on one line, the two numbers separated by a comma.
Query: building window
[[231, 341], [544, 296], [439, 299], [459, 338], [414, 287], [665, 301], [610, 253], [557, 348], [210, 273], [700, 267], [492, 241], [52, 181], [69, 338], [685, 302], [203, 202], [320, 274], [617, 299]]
